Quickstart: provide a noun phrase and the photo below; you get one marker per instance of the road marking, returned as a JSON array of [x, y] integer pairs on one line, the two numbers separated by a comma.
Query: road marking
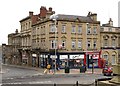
[[10, 78], [38, 74], [11, 83], [40, 82]]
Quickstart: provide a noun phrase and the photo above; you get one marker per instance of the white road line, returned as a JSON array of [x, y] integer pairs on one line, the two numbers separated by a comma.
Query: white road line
[[11, 83], [10, 78], [40, 82], [38, 74]]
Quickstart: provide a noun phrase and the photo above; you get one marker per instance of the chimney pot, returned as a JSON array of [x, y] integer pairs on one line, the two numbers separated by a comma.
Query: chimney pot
[[50, 9]]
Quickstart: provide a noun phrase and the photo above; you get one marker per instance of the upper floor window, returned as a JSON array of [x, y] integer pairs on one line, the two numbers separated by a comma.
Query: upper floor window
[[53, 28], [80, 44], [79, 29], [63, 28], [94, 30], [105, 42], [73, 43], [73, 29], [88, 44], [94, 44], [53, 44], [88, 30], [113, 43], [63, 44], [110, 29]]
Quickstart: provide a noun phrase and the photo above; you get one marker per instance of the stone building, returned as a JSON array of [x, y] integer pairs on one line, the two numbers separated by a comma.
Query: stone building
[[78, 36], [71, 40], [109, 42], [26, 33], [10, 52]]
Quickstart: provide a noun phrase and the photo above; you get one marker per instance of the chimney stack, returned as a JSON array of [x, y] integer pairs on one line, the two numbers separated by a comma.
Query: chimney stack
[[43, 11], [93, 16], [50, 9], [16, 31], [30, 13], [110, 22]]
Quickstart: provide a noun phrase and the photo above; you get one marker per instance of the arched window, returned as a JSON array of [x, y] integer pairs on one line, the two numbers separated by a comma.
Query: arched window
[[105, 41], [113, 59], [105, 57]]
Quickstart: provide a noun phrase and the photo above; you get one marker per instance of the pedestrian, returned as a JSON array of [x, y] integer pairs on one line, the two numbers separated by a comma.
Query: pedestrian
[[47, 69]]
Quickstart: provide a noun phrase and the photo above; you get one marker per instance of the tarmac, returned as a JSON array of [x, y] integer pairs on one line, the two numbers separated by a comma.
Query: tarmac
[[61, 71]]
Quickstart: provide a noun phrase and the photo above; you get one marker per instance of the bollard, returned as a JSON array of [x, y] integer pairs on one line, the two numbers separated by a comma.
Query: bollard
[[54, 84], [95, 82], [77, 83]]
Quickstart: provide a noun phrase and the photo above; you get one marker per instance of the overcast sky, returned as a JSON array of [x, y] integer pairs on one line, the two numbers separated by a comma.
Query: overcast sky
[[12, 11]]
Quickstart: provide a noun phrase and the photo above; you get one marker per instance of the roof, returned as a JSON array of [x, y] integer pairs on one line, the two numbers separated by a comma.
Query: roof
[[74, 18]]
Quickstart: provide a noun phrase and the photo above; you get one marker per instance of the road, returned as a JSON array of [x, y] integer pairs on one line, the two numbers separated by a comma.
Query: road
[[14, 76]]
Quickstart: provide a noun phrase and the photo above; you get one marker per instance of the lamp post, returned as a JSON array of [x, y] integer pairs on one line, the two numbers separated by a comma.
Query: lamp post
[[54, 18], [86, 41]]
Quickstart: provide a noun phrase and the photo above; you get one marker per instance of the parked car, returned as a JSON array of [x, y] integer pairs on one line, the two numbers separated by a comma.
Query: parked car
[[107, 71]]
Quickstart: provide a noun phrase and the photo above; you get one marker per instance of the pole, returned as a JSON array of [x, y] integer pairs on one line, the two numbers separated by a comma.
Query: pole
[[92, 67], [55, 45]]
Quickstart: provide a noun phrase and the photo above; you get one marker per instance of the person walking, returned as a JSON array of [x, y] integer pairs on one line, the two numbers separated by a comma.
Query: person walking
[[47, 69]]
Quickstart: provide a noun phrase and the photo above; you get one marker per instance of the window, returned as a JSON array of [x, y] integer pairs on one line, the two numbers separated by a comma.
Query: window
[[73, 44], [94, 44], [73, 29], [53, 44], [79, 29], [80, 44], [63, 44], [113, 42], [88, 44], [63, 28], [52, 28], [110, 29], [113, 59], [105, 42], [106, 58], [95, 30], [88, 30]]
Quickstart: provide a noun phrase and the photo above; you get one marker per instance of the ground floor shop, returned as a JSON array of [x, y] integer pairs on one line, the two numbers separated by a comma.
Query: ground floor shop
[[72, 60]]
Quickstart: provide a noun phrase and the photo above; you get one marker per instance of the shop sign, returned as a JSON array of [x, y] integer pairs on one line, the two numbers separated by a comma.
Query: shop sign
[[34, 55], [24, 56], [53, 56], [63, 56], [76, 56]]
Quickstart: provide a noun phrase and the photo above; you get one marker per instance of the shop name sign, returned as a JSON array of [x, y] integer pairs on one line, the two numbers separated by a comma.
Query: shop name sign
[[76, 56], [34, 55]]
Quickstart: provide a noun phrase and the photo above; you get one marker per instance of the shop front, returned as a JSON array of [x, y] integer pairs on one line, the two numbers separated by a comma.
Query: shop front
[[75, 61], [24, 60], [93, 57], [61, 60], [34, 60], [43, 60]]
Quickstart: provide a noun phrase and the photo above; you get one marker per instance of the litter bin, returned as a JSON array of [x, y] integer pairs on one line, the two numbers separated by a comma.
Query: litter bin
[[82, 69], [67, 69]]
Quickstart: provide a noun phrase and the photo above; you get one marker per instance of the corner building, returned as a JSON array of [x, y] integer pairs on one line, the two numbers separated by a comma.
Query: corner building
[[70, 41]]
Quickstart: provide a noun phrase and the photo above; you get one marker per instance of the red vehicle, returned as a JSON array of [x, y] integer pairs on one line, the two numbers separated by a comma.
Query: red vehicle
[[107, 71]]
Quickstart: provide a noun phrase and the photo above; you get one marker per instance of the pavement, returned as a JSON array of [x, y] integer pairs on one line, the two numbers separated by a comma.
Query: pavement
[[61, 71]]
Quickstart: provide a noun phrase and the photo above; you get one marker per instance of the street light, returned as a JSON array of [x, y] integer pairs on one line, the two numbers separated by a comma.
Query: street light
[[54, 18]]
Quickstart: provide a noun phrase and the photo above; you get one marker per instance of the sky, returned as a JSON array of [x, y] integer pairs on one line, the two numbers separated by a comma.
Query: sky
[[12, 11]]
